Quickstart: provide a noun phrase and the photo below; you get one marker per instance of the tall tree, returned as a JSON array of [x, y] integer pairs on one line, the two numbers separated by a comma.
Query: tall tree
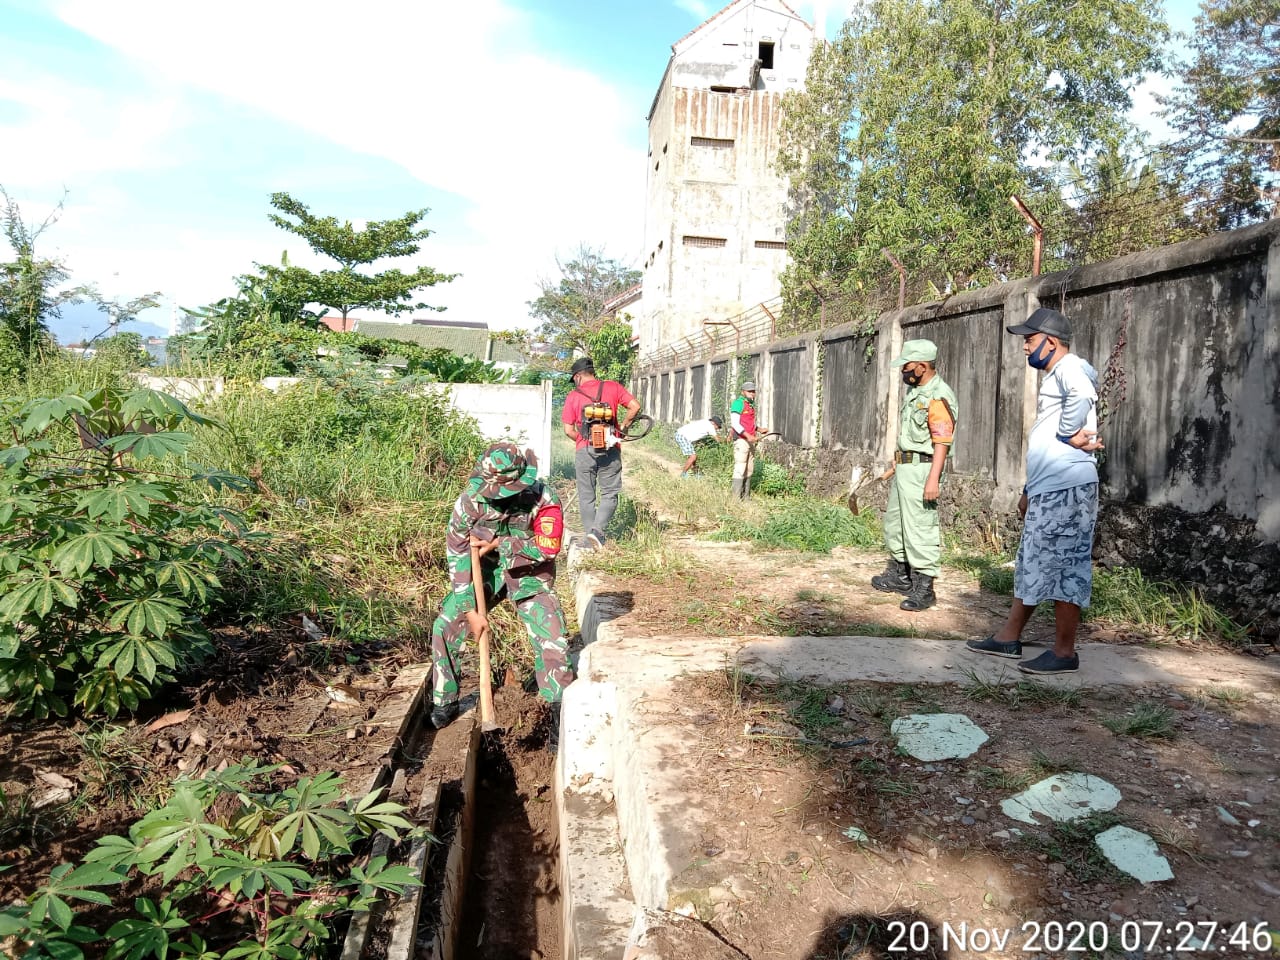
[[1226, 109], [1124, 206], [573, 315], [346, 288], [32, 290], [923, 117]]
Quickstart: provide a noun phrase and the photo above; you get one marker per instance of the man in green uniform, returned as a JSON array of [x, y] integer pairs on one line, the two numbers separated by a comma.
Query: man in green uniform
[[507, 509], [926, 427]]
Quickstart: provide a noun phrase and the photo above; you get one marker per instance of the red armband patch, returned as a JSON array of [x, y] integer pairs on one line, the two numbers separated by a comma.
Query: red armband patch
[[548, 530]]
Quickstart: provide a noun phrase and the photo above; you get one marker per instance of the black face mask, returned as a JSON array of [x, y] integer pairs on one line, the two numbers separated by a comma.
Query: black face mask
[[911, 378]]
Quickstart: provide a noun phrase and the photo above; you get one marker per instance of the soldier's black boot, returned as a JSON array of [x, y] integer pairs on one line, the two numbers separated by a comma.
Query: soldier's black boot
[[553, 730], [444, 714], [895, 579], [921, 596]]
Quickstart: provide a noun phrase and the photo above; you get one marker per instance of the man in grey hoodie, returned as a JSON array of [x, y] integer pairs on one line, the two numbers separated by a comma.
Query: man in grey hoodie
[[1059, 504]]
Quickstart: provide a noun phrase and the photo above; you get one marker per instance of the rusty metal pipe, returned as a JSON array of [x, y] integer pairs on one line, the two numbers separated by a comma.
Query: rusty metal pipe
[[1037, 232], [773, 322], [737, 332], [902, 276]]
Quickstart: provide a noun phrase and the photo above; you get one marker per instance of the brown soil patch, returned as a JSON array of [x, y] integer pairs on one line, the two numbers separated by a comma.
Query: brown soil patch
[[776, 875], [256, 699]]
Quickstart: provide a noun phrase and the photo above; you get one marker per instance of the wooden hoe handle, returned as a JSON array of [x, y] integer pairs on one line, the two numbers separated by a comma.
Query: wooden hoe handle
[[486, 671]]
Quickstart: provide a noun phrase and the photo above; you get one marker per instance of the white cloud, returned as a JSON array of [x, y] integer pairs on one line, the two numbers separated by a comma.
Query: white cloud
[[453, 93], [701, 9], [65, 130]]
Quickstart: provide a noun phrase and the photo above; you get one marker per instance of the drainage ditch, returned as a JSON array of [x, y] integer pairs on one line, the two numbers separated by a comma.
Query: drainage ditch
[[488, 856], [511, 908]]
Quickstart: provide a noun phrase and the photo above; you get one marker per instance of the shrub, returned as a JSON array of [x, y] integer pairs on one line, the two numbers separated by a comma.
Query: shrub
[[106, 560], [262, 881]]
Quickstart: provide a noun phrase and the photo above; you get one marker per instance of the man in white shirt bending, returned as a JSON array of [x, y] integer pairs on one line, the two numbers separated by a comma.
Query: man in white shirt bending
[[693, 431]]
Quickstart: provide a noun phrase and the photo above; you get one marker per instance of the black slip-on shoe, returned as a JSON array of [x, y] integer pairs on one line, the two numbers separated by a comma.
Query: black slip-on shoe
[[1050, 663], [994, 648]]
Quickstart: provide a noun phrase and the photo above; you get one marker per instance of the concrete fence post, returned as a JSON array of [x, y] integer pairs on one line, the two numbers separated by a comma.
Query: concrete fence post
[[888, 383], [1269, 464], [1017, 386], [813, 411]]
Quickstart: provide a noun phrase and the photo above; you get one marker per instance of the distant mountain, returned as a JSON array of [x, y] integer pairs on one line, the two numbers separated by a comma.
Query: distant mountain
[[83, 321]]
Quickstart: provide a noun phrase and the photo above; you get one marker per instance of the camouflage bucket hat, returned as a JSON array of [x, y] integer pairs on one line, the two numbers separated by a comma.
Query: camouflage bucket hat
[[505, 471]]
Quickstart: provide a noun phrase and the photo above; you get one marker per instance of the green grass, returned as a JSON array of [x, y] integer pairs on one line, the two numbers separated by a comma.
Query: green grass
[[804, 523], [1124, 595], [1072, 844], [997, 778], [642, 551], [1043, 765], [992, 569], [1022, 693], [1143, 720]]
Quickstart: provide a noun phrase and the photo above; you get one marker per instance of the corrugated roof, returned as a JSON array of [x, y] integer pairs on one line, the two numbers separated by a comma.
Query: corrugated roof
[[466, 341]]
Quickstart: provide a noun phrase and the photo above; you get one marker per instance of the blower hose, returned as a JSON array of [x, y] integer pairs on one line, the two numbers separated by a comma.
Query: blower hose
[[631, 429]]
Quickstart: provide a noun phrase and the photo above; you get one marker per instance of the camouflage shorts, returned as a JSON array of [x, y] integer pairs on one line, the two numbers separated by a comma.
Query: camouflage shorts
[[1055, 558]]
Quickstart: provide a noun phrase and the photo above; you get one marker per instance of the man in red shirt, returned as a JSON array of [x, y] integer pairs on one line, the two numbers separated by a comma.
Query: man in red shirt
[[598, 457]]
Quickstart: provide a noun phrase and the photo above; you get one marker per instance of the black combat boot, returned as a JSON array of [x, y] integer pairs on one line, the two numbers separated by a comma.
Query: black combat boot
[[444, 714], [553, 730], [921, 596], [895, 579]]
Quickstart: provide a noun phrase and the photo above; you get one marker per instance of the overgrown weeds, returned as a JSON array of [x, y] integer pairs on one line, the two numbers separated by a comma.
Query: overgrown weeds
[[804, 523], [641, 552], [1124, 595]]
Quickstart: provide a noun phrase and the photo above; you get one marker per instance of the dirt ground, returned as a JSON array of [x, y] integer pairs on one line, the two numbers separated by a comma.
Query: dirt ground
[[779, 877], [257, 698], [512, 904]]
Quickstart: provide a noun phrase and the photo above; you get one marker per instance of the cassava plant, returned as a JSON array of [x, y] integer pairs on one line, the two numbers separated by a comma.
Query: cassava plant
[[234, 869], [108, 556]]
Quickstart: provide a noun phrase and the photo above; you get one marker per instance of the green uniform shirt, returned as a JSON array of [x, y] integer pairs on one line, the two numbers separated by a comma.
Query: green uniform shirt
[[929, 415]]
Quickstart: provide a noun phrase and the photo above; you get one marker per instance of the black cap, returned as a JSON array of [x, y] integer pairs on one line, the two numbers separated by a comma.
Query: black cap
[[1046, 321], [717, 421], [580, 365]]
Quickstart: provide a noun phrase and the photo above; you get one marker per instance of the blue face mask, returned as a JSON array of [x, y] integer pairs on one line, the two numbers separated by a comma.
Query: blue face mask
[[1038, 358]]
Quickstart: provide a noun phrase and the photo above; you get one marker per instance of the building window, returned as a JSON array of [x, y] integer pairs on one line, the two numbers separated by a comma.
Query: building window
[[690, 241], [718, 88], [715, 143], [771, 244], [659, 244], [766, 55]]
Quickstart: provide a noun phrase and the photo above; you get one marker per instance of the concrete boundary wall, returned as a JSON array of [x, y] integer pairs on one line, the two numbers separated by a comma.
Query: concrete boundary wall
[[1186, 340]]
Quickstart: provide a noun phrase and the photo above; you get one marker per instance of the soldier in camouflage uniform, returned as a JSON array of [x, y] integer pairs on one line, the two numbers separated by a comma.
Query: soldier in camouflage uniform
[[497, 510]]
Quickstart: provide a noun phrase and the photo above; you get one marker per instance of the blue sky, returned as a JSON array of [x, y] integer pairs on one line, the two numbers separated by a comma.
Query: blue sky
[[519, 123]]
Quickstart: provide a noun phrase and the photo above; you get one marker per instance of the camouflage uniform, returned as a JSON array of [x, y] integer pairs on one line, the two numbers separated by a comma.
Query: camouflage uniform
[[499, 501]]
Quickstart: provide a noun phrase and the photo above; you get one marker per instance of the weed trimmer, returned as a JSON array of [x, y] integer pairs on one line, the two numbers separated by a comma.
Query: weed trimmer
[[488, 721], [858, 482]]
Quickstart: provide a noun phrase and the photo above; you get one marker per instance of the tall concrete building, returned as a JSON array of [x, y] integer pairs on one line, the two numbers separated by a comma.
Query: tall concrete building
[[715, 224]]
